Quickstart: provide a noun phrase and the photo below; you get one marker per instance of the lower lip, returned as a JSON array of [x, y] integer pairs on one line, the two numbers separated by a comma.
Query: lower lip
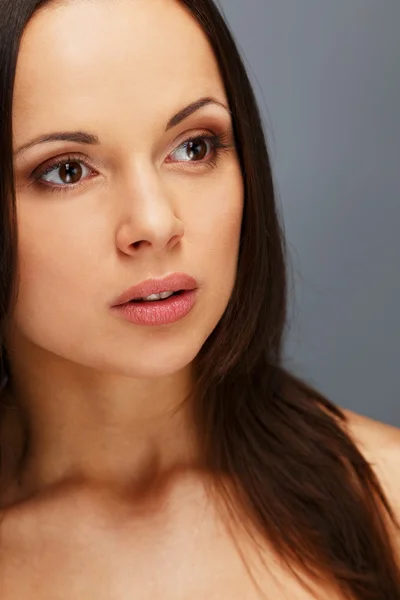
[[159, 312]]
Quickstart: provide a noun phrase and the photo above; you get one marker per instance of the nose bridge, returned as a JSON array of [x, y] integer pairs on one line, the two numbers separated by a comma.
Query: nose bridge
[[148, 210]]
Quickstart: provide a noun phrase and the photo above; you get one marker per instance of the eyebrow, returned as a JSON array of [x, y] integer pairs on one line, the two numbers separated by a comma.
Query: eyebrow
[[83, 137]]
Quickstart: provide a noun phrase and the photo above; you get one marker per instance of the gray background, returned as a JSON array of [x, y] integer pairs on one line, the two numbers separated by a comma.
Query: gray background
[[327, 77]]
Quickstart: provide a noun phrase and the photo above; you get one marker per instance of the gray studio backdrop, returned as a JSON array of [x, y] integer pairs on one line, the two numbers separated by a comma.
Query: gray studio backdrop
[[327, 77]]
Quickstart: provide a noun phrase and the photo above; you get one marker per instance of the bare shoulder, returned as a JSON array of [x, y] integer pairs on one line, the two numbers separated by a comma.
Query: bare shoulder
[[379, 443]]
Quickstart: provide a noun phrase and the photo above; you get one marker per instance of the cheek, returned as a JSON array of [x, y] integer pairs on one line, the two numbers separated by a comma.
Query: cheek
[[47, 260], [53, 275], [214, 225], [61, 241]]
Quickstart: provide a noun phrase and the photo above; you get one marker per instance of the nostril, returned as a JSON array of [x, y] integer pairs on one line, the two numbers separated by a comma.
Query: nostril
[[136, 245], [144, 242]]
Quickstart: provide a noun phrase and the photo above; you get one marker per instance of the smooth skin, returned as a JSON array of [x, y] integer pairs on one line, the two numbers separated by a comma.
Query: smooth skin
[[109, 503]]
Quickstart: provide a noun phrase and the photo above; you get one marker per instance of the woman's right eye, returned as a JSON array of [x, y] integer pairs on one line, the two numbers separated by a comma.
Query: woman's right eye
[[64, 172]]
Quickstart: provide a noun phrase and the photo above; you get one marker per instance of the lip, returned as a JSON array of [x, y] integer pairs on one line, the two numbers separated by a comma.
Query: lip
[[163, 312], [175, 282]]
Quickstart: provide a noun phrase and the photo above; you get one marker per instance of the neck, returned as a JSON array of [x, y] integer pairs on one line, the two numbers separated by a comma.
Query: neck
[[109, 430]]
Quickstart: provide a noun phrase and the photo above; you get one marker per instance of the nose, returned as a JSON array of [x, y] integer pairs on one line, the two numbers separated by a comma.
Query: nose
[[149, 220]]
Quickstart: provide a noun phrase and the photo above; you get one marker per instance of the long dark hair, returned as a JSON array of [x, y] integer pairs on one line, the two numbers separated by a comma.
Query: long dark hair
[[295, 475]]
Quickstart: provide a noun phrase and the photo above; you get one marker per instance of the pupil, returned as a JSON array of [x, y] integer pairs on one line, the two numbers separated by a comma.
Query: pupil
[[70, 172], [197, 149]]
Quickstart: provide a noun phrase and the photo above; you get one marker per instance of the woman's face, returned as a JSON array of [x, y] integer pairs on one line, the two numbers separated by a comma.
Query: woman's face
[[135, 205]]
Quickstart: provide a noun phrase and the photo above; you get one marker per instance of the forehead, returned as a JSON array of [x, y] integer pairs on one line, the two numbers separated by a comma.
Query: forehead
[[94, 59]]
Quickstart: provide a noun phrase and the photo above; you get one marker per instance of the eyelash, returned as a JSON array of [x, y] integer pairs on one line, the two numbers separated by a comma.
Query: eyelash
[[218, 142]]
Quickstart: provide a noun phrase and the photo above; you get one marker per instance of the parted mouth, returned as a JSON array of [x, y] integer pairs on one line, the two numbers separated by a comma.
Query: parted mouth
[[157, 289], [153, 297]]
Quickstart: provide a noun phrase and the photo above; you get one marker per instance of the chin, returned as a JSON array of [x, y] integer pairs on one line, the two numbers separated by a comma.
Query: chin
[[154, 369], [151, 362], [154, 353]]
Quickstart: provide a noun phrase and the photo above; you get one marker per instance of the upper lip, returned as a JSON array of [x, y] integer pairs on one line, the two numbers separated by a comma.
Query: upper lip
[[172, 283]]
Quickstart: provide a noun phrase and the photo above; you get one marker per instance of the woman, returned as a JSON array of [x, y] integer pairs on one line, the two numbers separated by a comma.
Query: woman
[[153, 446]]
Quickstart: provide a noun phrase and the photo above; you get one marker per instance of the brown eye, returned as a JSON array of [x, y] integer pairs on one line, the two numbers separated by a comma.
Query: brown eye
[[197, 149], [64, 172], [193, 150], [70, 172]]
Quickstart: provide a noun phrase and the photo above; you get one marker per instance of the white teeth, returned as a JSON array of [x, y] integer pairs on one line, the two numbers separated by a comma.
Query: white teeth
[[154, 297], [166, 295]]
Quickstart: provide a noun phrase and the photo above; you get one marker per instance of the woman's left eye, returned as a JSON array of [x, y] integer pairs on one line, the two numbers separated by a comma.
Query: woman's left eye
[[195, 149]]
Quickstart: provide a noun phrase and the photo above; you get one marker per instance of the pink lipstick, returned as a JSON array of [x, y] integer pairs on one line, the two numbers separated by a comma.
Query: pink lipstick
[[158, 301]]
